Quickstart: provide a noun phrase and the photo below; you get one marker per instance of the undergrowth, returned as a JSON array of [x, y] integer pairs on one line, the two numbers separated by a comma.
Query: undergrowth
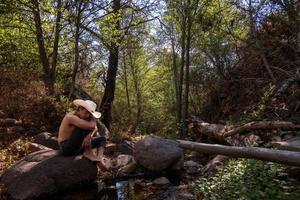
[[248, 179]]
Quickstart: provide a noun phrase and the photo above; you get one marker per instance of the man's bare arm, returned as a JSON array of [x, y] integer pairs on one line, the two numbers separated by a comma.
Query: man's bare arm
[[76, 121]]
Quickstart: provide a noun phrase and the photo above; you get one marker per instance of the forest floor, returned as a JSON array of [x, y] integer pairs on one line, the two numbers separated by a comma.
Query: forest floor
[[203, 177]]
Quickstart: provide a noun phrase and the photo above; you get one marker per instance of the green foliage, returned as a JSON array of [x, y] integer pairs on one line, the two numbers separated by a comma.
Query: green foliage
[[257, 110], [110, 32], [13, 152], [248, 179]]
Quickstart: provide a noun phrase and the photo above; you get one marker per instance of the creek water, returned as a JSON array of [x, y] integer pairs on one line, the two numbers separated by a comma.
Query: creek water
[[136, 187]]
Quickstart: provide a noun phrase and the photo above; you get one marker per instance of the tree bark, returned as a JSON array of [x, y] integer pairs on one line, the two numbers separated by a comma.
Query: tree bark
[[55, 45], [76, 50], [262, 125], [175, 78], [41, 44], [253, 32], [126, 82], [49, 71], [181, 74], [220, 132], [278, 156], [109, 91], [137, 92], [187, 66]]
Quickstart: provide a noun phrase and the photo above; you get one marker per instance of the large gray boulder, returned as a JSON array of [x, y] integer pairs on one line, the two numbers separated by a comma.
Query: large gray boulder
[[45, 172], [157, 154]]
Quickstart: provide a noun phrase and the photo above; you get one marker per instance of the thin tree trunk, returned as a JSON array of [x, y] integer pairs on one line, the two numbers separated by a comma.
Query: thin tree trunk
[[181, 75], [187, 65], [55, 45], [49, 71], [126, 83], [76, 50], [253, 32], [109, 92], [41, 44], [137, 91], [279, 156], [175, 78]]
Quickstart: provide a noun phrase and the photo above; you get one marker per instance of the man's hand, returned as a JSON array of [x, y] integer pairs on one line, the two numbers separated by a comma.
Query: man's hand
[[87, 141]]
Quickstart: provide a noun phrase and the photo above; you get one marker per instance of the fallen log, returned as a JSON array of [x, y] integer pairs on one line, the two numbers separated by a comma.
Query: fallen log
[[262, 125], [219, 132], [278, 156], [206, 132]]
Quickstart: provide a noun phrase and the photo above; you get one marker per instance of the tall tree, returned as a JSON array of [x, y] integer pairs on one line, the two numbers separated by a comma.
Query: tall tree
[[109, 91], [79, 8], [49, 68]]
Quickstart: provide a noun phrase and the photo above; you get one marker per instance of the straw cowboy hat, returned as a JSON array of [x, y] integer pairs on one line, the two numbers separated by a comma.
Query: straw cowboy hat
[[89, 105]]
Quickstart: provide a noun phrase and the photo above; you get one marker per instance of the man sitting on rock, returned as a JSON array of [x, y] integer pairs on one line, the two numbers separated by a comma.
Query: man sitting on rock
[[76, 130]]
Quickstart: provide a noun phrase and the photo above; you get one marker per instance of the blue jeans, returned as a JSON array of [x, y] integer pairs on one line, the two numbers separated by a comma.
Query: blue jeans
[[72, 146]]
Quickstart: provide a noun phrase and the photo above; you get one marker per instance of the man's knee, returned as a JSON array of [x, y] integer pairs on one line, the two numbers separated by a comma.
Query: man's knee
[[99, 142]]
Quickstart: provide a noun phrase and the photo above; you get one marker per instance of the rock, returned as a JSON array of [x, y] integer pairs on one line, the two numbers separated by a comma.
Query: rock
[[191, 167], [293, 172], [252, 140], [47, 139], [161, 181], [33, 147], [110, 148], [126, 147], [287, 137], [8, 122], [123, 160], [86, 192], [178, 165], [190, 163], [276, 139], [32, 131], [185, 196], [157, 154], [2, 114], [195, 154], [45, 172], [125, 164], [211, 166], [15, 130]]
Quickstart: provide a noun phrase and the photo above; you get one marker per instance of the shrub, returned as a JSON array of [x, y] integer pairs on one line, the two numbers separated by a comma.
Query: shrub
[[248, 179]]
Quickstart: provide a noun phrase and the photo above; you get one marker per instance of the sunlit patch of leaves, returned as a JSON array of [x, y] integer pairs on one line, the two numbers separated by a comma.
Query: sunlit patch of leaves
[[9, 155], [248, 179], [13, 152]]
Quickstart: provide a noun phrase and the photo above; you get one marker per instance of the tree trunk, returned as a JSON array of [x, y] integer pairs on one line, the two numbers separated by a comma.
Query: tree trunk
[[55, 45], [49, 71], [187, 66], [181, 74], [41, 45], [126, 83], [138, 92], [175, 78], [76, 50], [279, 156], [109, 91], [253, 32]]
